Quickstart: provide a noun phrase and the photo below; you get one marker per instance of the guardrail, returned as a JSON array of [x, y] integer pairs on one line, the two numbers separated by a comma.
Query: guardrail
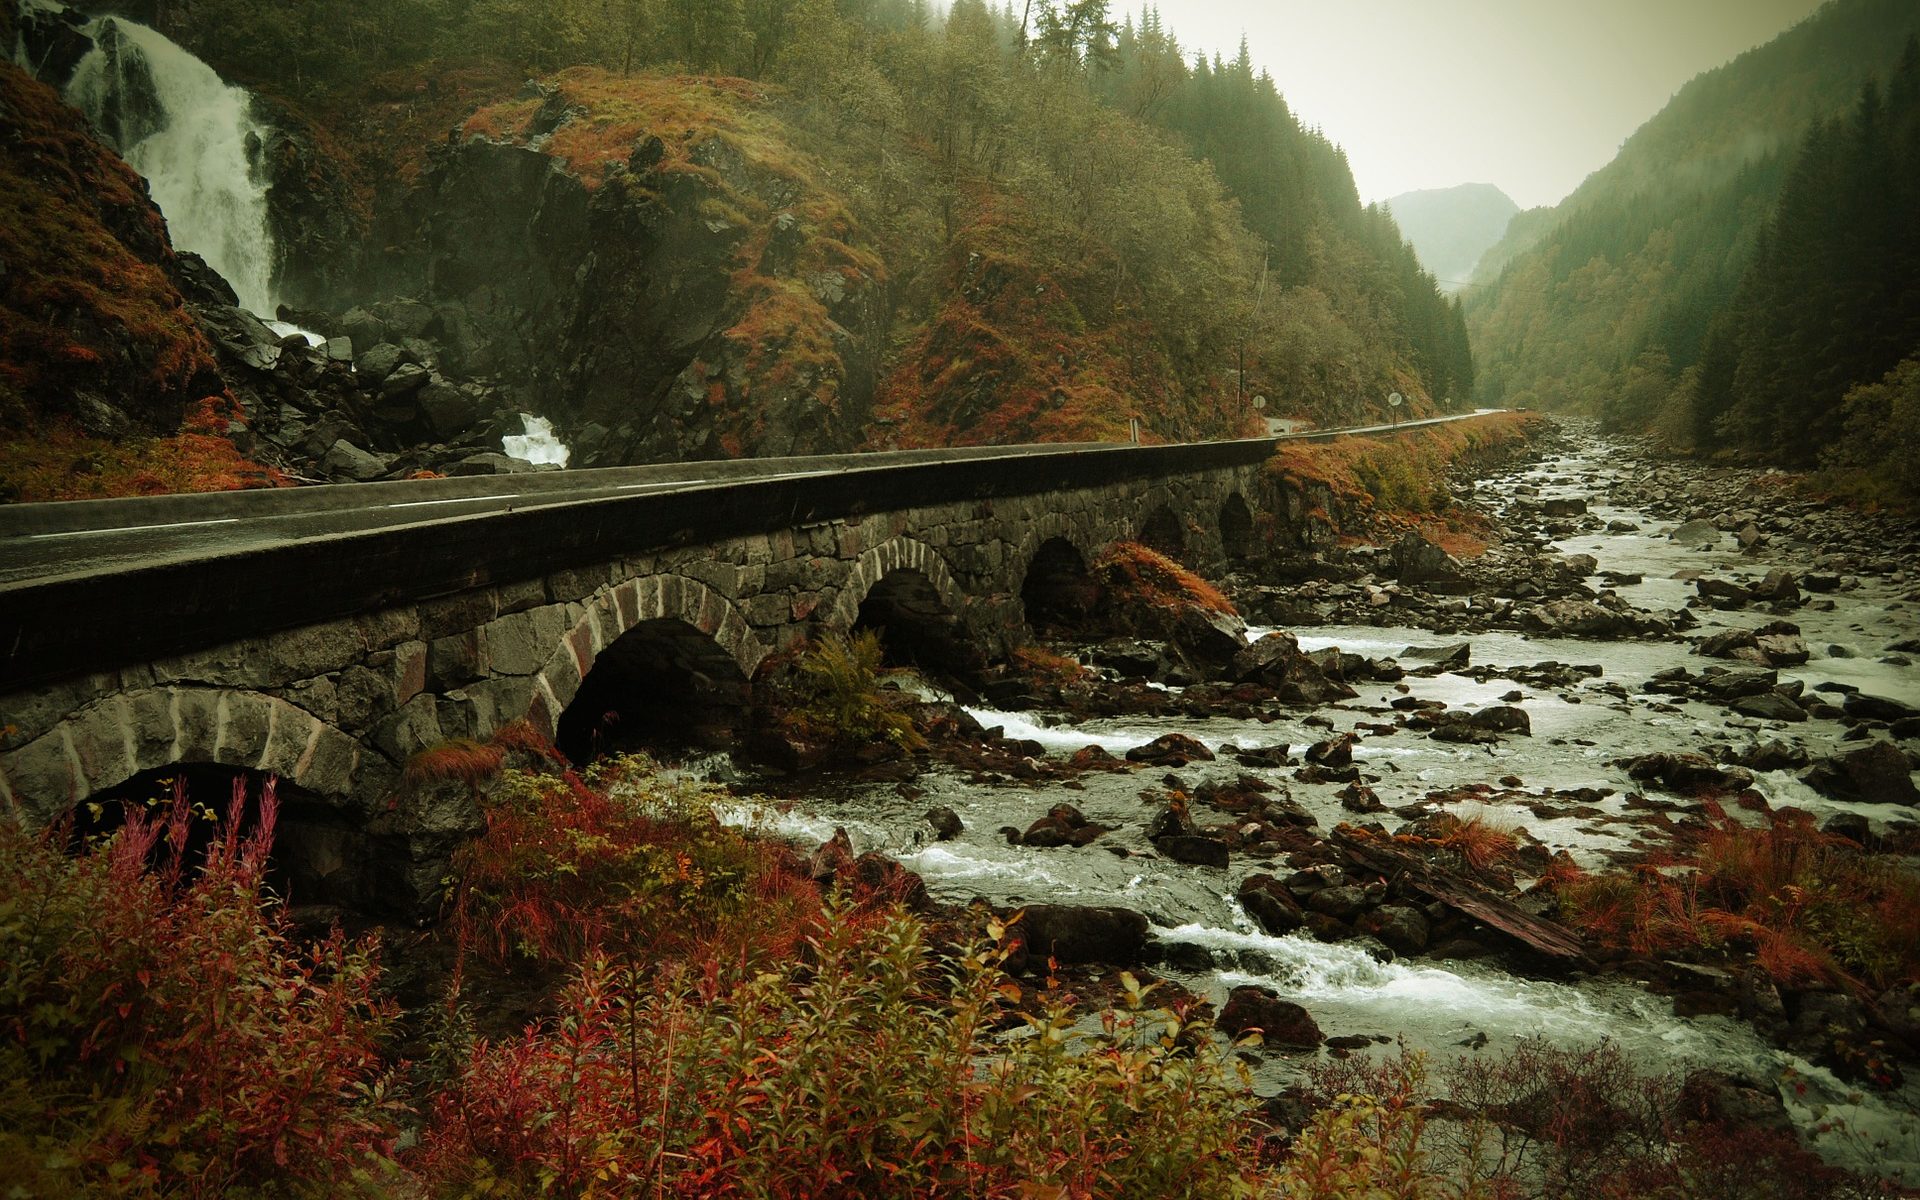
[[139, 609]]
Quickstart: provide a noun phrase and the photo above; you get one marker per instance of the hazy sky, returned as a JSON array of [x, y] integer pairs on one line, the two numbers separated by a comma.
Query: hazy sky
[[1531, 95]]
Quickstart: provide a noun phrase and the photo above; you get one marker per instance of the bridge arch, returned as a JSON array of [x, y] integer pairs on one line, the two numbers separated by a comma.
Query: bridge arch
[[668, 654], [904, 589], [115, 739], [1236, 528], [1162, 529], [1057, 589]]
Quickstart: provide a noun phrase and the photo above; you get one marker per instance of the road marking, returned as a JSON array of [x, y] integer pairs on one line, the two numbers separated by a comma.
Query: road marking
[[628, 487], [453, 500], [136, 528]]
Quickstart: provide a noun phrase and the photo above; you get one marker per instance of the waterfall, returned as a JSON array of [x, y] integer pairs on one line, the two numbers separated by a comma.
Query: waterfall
[[195, 139], [537, 445]]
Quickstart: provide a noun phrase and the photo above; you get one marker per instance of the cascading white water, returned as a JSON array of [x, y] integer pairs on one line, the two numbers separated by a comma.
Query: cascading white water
[[537, 445], [195, 139]]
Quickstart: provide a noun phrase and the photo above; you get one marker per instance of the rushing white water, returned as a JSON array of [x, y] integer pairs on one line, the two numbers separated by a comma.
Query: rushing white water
[[537, 444], [196, 140]]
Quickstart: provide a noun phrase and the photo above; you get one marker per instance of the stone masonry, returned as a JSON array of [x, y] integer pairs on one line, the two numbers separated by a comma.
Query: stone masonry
[[337, 709]]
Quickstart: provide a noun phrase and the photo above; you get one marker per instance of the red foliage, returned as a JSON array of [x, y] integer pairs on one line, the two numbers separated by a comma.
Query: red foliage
[[165, 1031], [86, 302], [618, 861], [1137, 574]]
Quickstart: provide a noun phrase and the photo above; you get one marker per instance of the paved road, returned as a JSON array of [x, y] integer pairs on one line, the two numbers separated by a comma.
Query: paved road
[[89, 539]]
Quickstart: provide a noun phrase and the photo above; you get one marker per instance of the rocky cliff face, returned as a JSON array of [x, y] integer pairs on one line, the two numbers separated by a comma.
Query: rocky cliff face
[[670, 285], [93, 327]]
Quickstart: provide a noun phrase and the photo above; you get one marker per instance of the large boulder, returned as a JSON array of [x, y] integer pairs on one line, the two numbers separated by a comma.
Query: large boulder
[[1417, 560], [1575, 618], [1400, 927], [1091, 934], [1207, 638], [1271, 904], [1279, 1022], [1170, 750], [1877, 773], [1687, 772]]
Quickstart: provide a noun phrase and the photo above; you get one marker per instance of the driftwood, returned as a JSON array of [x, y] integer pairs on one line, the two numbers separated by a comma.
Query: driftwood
[[1469, 898]]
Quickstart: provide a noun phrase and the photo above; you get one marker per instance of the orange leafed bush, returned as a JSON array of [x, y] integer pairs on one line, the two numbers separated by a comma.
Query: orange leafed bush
[[1132, 572], [1808, 908]]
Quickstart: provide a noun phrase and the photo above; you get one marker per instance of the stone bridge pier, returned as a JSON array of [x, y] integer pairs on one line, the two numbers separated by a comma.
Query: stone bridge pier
[[662, 630]]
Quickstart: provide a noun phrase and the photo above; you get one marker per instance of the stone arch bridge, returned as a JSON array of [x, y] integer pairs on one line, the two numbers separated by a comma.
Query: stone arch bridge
[[326, 636]]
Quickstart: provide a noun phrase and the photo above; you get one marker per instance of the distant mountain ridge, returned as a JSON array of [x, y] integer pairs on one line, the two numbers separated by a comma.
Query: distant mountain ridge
[[1618, 284], [1450, 228]]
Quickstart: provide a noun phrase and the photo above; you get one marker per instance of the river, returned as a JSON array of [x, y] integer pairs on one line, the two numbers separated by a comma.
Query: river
[[1579, 731]]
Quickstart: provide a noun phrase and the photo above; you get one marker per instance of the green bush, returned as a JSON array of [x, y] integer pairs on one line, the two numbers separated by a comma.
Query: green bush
[[840, 698]]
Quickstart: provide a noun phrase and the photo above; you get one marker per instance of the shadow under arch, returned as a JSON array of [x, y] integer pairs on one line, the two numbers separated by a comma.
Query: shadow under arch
[[1236, 528], [662, 683], [1057, 592], [1163, 530]]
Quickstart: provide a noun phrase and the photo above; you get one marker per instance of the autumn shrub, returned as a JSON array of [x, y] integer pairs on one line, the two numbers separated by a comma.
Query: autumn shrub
[[1537, 1119], [839, 698], [162, 1034], [867, 1069], [1137, 575], [1811, 909], [620, 859], [1047, 668]]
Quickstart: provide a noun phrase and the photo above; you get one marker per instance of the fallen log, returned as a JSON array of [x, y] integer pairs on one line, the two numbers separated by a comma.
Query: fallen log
[[1463, 895]]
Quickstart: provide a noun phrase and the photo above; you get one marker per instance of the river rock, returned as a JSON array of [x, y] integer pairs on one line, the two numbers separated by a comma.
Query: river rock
[[1263, 756], [1778, 586], [1334, 752], [1687, 772], [1716, 1096], [1082, 934], [944, 822], [1580, 618], [1417, 560], [1170, 750], [1849, 825], [1563, 506], [1769, 706], [1700, 535], [1345, 901], [1862, 707], [1251, 1009], [1194, 850], [1064, 825], [1440, 658], [1400, 927], [1729, 685], [1273, 651], [1275, 661], [1504, 718], [1782, 649], [1271, 904], [1877, 773], [1773, 756], [1208, 639]]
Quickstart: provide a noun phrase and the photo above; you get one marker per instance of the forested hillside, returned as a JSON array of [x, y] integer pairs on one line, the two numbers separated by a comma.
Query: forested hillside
[[1819, 352], [1603, 305], [1047, 221]]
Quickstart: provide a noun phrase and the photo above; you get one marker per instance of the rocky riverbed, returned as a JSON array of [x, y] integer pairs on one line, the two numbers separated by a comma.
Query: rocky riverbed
[[1642, 643]]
